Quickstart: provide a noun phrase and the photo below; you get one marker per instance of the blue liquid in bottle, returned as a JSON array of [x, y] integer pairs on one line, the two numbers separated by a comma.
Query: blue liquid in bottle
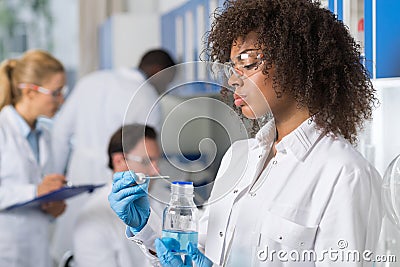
[[183, 238]]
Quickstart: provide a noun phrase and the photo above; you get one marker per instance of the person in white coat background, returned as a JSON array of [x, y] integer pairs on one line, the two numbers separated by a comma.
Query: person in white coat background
[[299, 185], [97, 107], [98, 239], [30, 86]]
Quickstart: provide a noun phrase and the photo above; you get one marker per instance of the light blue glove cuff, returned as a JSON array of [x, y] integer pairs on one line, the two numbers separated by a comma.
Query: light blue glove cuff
[[136, 230]]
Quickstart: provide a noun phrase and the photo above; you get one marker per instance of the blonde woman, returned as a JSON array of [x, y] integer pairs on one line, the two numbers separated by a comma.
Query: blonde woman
[[30, 86]]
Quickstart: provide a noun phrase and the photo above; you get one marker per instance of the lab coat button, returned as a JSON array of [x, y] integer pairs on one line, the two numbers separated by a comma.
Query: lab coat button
[[280, 238], [274, 162], [235, 191], [259, 156], [302, 244], [221, 234]]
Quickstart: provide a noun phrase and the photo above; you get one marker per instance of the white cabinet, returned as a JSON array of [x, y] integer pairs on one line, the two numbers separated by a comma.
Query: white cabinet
[[125, 37]]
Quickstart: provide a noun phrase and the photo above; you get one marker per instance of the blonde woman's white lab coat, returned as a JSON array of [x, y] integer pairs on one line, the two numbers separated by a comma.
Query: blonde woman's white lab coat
[[24, 232], [317, 193]]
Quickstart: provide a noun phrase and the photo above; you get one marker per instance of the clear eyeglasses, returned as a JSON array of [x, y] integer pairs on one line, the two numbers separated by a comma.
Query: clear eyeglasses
[[54, 93], [142, 160], [245, 64]]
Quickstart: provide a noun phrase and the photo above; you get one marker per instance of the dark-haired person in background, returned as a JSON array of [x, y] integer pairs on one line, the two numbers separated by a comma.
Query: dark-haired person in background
[[96, 108], [299, 187], [98, 232], [92, 112]]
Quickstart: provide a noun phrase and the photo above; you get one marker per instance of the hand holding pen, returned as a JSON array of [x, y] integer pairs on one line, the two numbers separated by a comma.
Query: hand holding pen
[[50, 182]]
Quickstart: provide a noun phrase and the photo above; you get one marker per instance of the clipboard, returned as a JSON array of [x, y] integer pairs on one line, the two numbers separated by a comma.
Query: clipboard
[[60, 194]]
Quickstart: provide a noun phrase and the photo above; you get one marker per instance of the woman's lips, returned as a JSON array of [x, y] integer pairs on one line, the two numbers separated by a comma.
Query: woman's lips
[[238, 100]]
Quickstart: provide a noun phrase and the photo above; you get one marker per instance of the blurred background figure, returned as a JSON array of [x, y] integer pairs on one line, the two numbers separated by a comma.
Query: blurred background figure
[[30, 87], [93, 111], [98, 233], [96, 108]]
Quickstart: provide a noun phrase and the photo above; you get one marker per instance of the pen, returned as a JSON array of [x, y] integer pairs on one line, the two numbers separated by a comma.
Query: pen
[[67, 183]]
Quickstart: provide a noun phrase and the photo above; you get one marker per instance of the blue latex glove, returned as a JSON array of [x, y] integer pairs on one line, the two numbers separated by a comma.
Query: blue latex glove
[[199, 258], [165, 248], [129, 200]]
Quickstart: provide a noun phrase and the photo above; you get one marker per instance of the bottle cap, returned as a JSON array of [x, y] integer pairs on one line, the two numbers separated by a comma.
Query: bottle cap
[[182, 187], [182, 182]]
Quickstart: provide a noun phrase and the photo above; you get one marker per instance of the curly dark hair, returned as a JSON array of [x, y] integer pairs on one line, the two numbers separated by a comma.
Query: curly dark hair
[[316, 59]]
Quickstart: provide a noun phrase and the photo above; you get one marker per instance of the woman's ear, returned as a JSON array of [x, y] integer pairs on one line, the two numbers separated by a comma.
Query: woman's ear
[[118, 161]]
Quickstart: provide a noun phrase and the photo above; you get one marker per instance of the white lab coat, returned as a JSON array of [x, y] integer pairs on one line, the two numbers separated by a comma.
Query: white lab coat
[[316, 191], [96, 108], [98, 236], [24, 232]]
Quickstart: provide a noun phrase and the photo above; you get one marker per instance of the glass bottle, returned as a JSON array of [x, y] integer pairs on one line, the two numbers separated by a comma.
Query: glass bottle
[[180, 217]]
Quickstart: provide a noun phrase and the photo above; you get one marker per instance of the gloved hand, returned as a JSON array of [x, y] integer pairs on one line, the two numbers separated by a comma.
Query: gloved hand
[[165, 248], [199, 258], [130, 200]]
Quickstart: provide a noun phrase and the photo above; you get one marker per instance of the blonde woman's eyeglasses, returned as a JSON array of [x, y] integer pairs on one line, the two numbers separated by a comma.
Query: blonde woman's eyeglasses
[[54, 93]]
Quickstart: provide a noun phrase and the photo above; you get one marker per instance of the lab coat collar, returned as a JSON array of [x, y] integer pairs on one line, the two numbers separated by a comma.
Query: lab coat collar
[[301, 140], [266, 135], [22, 125], [19, 125]]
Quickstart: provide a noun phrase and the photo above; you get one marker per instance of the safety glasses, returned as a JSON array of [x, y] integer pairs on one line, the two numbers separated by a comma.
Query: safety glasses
[[142, 160], [54, 93], [245, 64]]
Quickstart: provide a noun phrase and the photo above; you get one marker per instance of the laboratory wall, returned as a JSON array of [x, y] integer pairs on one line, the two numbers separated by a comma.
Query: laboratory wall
[[65, 34], [125, 37]]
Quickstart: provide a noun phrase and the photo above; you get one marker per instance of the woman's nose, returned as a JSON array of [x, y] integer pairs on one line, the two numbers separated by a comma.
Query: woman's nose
[[235, 81]]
